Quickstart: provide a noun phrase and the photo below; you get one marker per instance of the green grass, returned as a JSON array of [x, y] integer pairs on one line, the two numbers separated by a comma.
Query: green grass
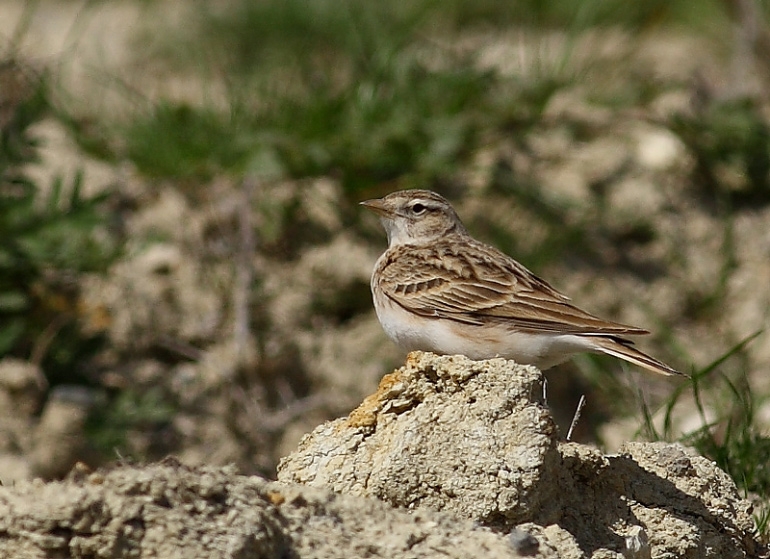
[[130, 410], [731, 144], [413, 125], [49, 236], [729, 433], [369, 93], [364, 107]]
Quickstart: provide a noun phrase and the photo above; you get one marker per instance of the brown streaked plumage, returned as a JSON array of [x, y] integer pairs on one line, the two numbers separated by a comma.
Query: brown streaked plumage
[[437, 289]]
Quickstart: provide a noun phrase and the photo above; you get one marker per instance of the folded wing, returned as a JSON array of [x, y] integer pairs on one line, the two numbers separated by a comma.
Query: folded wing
[[473, 283]]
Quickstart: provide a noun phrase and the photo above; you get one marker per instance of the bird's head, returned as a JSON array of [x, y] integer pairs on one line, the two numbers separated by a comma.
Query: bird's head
[[415, 216]]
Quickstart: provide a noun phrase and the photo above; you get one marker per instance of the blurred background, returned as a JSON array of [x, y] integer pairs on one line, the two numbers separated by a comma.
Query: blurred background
[[184, 268]]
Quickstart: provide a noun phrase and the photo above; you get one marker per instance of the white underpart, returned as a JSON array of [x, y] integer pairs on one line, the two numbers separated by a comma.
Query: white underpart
[[444, 336]]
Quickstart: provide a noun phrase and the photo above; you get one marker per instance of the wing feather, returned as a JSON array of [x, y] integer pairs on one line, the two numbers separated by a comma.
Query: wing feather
[[473, 283]]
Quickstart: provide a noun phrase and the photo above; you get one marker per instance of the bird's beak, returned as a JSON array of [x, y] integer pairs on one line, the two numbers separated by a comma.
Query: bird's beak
[[377, 206]]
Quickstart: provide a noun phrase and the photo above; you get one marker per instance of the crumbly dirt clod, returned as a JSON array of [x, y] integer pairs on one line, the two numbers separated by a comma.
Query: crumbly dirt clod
[[449, 458], [169, 510], [475, 438]]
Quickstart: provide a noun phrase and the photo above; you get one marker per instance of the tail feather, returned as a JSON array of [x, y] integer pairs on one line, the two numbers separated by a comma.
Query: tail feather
[[624, 349]]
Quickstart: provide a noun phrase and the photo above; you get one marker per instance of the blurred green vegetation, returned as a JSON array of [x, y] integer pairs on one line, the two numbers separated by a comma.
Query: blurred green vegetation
[[49, 235], [731, 143], [729, 433], [368, 93], [129, 411]]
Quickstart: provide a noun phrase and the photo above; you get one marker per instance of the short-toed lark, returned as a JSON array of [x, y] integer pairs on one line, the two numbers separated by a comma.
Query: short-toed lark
[[438, 289]]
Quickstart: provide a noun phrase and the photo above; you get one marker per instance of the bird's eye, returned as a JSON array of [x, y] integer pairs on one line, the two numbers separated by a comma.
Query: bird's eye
[[418, 209]]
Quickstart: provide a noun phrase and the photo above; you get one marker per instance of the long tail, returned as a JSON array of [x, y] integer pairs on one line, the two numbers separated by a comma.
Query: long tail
[[624, 349]]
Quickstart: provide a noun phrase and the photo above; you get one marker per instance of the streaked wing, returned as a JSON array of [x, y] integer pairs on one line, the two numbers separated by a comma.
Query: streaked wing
[[473, 283]]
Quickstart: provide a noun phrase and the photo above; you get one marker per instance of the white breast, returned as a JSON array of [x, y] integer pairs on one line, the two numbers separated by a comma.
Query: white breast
[[412, 332]]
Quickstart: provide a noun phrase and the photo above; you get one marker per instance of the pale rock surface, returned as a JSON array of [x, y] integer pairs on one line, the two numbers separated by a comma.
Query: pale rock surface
[[450, 458], [476, 439], [171, 511], [442, 432]]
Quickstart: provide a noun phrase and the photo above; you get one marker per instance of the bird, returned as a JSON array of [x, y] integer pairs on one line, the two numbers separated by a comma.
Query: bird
[[437, 289]]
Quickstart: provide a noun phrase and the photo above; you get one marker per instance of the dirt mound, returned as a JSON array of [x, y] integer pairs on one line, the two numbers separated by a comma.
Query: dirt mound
[[475, 438], [170, 510], [450, 458]]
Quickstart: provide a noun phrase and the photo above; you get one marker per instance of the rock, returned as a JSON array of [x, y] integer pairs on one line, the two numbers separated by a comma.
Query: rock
[[450, 458], [476, 439], [523, 542], [395, 445], [169, 510], [22, 391], [14, 468], [60, 436], [637, 544], [22, 388], [172, 295]]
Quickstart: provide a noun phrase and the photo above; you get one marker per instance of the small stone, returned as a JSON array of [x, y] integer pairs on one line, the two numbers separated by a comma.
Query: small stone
[[637, 544], [523, 542]]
